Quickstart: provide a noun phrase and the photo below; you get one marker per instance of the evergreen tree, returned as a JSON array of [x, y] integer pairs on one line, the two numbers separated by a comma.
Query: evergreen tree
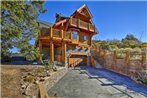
[[19, 26]]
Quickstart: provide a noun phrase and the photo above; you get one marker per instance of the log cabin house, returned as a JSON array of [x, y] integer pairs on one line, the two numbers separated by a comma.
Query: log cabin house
[[68, 41]]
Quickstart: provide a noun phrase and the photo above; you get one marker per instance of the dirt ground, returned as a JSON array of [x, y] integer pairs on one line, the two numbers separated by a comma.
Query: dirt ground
[[10, 80]]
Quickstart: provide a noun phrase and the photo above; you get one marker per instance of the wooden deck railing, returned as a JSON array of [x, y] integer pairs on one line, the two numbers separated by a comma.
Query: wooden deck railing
[[60, 34], [56, 33], [67, 35], [82, 24]]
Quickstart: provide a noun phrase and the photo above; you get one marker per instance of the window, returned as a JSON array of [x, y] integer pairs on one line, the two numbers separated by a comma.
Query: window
[[75, 35], [85, 38]]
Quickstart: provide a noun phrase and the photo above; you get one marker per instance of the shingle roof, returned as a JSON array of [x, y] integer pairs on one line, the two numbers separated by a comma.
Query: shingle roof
[[44, 24], [59, 17]]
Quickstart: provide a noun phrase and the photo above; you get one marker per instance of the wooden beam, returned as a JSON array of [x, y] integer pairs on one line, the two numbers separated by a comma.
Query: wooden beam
[[52, 51]]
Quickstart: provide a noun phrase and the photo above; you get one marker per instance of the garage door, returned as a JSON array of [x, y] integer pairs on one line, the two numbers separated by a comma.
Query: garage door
[[77, 60]]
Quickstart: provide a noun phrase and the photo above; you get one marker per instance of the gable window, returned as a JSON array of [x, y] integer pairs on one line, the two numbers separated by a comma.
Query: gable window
[[75, 35]]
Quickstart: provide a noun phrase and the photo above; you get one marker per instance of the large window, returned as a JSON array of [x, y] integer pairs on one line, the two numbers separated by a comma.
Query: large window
[[75, 35]]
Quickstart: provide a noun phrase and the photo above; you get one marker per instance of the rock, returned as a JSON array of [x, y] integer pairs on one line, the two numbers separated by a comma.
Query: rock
[[42, 79], [48, 74], [23, 86], [22, 91], [32, 90], [36, 82], [22, 82], [43, 74], [54, 68]]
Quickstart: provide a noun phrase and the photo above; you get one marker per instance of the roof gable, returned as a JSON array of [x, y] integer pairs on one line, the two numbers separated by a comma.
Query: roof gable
[[84, 11]]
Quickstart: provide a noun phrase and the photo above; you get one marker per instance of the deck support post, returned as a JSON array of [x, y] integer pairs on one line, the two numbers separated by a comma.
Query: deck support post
[[64, 53], [71, 36], [52, 51], [51, 32]]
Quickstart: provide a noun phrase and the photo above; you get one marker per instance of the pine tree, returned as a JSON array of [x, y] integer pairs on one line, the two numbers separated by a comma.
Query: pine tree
[[19, 26]]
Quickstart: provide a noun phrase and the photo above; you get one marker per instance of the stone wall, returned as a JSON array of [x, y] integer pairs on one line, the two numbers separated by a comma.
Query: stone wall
[[54, 78], [44, 84]]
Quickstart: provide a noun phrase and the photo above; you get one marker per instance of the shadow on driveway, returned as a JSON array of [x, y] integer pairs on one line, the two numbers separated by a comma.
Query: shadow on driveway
[[116, 78]]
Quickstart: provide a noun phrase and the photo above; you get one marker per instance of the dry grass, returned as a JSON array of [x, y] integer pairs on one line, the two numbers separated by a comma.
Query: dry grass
[[10, 81]]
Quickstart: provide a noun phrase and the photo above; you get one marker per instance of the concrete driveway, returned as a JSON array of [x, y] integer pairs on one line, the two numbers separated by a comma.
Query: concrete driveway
[[86, 82]]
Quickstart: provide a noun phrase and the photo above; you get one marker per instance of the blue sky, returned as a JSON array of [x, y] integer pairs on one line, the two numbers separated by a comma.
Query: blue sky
[[113, 19]]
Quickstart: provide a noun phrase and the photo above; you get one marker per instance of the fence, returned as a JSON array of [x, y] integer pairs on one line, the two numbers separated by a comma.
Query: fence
[[127, 63]]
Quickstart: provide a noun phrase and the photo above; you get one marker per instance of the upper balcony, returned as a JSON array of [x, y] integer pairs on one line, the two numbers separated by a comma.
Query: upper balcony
[[81, 24], [59, 35], [56, 34]]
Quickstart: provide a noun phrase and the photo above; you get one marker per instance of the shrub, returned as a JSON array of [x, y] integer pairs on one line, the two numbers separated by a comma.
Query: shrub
[[128, 49], [40, 70], [5, 59], [137, 50], [50, 64], [29, 78]]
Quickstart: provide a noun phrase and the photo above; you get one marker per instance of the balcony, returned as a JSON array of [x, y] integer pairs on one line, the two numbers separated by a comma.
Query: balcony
[[81, 24], [59, 35], [56, 34]]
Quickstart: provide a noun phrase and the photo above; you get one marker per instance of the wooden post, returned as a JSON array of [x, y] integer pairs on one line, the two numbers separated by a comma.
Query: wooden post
[[62, 34], [51, 32], [71, 36], [90, 40], [78, 23], [143, 58], [64, 52], [52, 51], [114, 59], [127, 57], [40, 51]]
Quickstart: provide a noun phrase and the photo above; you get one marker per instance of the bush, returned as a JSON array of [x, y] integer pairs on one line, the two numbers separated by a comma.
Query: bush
[[128, 49], [29, 79], [137, 50], [5, 59], [40, 70], [50, 64]]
